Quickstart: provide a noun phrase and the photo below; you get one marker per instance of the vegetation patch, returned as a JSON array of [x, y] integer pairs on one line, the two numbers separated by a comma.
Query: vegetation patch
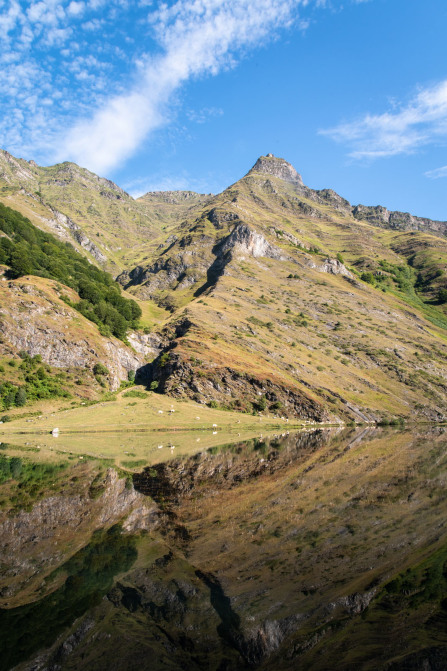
[[28, 251]]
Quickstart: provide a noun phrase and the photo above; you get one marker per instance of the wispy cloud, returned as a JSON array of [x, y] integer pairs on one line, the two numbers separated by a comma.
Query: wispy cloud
[[403, 130], [197, 37], [41, 43], [89, 80], [437, 173], [202, 115]]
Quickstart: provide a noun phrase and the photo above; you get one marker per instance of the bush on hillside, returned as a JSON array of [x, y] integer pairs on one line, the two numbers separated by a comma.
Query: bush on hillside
[[29, 251]]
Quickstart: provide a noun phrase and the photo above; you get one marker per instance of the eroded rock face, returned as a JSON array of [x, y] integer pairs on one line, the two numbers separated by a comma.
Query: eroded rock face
[[35, 321], [278, 167], [332, 266], [245, 241], [401, 221], [61, 223], [148, 345], [177, 377], [12, 169]]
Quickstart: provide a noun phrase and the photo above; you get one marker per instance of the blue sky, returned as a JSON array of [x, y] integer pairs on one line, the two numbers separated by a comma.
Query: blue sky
[[187, 94]]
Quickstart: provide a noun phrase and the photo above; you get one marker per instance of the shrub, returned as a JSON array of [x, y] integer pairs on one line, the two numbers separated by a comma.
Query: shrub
[[135, 393], [100, 369], [367, 277], [164, 358]]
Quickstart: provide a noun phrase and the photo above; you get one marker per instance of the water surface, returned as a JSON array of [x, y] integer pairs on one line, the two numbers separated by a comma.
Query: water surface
[[315, 550]]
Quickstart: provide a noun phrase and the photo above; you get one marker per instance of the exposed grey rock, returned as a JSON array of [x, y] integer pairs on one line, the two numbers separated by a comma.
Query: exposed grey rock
[[47, 330], [356, 603], [13, 169], [278, 167], [332, 266], [243, 240], [62, 223], [401, 221], [330, 197], [262, 641], [148, 345], [219, 218]]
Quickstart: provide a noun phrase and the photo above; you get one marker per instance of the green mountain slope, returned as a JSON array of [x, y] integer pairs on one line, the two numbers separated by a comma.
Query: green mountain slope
[[269, 297], [93, 213], [280, 297]]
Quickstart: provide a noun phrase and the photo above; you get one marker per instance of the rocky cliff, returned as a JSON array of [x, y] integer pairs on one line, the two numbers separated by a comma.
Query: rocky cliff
[[34, 319]]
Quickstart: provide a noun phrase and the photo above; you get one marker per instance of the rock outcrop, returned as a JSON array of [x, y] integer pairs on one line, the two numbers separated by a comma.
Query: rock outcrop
[[177, 377], [64, 228], [277, 167], [399, 221], [332, 266], [245, 241], [35, 320]]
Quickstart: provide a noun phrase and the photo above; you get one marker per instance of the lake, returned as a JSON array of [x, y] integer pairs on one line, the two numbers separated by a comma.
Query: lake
[[322, 549]]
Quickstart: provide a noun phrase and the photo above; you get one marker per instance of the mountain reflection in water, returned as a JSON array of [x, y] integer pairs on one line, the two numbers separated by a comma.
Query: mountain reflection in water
[[318, 550]]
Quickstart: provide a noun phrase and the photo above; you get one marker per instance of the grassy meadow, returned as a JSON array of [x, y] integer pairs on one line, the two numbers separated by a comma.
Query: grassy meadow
[[135, 429]]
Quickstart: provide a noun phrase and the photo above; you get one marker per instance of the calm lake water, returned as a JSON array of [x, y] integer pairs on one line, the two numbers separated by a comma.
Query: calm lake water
[[315, 550]]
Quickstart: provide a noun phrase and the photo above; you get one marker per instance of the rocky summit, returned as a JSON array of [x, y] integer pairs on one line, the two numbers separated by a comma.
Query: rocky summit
[[270, 297]]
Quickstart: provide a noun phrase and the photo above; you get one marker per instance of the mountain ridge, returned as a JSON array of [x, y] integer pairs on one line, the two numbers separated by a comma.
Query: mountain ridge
[[273, 297]]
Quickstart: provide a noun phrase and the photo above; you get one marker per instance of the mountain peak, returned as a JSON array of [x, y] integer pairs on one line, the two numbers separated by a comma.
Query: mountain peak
[[278, 167]]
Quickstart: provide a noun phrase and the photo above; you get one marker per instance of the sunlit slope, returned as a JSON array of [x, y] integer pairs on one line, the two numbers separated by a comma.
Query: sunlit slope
[[267, 297], [97, 216], [271, 297]]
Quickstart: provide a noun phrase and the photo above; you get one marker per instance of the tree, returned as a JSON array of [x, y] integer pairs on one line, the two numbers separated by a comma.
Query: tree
[[20, 399], [20, 261], [442, 296]]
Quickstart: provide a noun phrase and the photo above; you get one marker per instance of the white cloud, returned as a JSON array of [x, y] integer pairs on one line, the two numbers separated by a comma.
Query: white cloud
[[202, 115], [76, 8], [422, 121], [101, 75], [198, 37], [437, 173]]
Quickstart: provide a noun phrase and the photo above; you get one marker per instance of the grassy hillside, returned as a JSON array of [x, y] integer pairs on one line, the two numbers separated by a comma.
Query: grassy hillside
[[96, 215], [272, 297], [275, 288]]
